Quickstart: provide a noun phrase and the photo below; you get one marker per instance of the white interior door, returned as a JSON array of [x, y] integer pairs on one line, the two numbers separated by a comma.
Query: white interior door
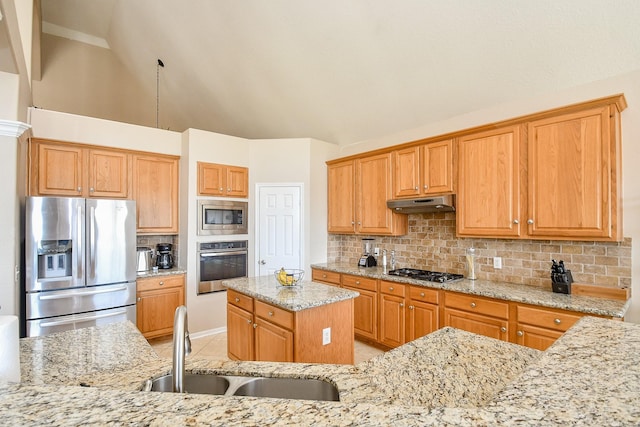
[[279, 228]]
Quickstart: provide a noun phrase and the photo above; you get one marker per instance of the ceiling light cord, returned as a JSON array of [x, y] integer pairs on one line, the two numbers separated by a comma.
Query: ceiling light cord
[[160, 64]]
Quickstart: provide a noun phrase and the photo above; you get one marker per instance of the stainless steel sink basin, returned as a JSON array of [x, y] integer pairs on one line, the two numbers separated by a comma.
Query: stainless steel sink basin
[[289, 388], [193, 383], [232, 385]]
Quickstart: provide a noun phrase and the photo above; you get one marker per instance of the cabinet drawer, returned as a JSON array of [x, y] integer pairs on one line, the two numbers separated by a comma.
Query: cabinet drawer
[[423, 294], [359, 282], [240, 300], [325, 276], [474, 304], [392, 288], [275, 315], [160, 282], [546, 318]]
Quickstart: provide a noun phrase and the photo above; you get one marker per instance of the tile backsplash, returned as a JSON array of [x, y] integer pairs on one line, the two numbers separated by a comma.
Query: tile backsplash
[[431, 244]]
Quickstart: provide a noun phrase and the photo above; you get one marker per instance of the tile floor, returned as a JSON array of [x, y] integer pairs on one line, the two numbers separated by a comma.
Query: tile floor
[[215, 347]]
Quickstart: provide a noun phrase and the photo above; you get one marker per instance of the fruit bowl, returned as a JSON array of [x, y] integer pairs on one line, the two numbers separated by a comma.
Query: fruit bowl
[[288, 276]]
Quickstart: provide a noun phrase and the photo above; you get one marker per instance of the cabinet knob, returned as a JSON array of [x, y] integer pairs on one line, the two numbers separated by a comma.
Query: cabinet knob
[[416, 188], [161, 283], [271, 313], [391, 288], [139, 299], [248, 321], [520, 333], [79, 189], [410, 307], [515, 221], [91, 190], [556, 321], [529, 221], [221, 189], [473, 305], [401, 304], [237, 299], [426, 187], [228, 190], [357, 282], [422, 294], [359, 223], [255, 325], [503, 329], [324, 276]]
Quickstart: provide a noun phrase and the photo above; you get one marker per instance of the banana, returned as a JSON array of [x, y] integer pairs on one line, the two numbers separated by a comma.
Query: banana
[[282, 276]]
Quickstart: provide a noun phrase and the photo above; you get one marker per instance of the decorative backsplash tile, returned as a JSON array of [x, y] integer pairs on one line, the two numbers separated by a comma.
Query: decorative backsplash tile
[[431, 244]]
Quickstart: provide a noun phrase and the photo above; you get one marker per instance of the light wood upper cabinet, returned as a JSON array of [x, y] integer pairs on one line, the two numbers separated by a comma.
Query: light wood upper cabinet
[[60, 169], [155, 189], [572, 176], [222, 180], [358, 191], [423, 170], [489, 183]]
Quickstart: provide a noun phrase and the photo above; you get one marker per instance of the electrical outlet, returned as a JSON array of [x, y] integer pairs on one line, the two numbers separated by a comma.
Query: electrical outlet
[[326, 336], [376, 251], [497, 262]]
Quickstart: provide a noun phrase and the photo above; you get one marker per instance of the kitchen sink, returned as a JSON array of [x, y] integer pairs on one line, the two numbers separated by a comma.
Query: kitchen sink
[[193, 383], [289, 388], [232, 385]]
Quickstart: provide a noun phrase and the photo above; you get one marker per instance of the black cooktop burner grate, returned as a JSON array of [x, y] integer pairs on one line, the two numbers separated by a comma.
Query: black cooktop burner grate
[[430, 276]]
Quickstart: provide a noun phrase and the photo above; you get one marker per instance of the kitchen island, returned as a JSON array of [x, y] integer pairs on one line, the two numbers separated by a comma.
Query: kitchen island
[[590, 376], [309, 322]]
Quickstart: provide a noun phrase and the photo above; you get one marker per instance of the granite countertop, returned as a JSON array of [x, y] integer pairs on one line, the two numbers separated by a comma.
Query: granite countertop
[[501, 290], [590, 376], [293, 298], [161, 272]]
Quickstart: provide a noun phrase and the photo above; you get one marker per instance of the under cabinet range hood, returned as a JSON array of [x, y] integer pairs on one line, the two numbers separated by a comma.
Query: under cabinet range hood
[[423, 204]]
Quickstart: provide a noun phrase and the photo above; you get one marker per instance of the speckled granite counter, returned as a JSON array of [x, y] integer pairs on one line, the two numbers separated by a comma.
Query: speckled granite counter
[[590, 376], [161, 272], [294, 298], [500, 290]]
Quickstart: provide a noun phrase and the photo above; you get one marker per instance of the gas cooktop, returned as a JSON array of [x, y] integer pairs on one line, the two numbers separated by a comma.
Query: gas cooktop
[[430, 276]]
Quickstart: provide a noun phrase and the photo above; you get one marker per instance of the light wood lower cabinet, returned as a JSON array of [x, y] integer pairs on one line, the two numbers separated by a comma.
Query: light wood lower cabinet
[[260, 331], [479, 315], [157, 300], [422, 316], [392, 314], [365, 306], [539, 327]]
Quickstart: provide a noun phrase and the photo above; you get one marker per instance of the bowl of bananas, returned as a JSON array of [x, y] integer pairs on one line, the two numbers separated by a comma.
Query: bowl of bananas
[[288, 276]]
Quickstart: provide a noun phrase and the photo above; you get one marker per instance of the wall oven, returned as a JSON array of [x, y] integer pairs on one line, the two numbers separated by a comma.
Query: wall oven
[[218, 261], [222, 217]]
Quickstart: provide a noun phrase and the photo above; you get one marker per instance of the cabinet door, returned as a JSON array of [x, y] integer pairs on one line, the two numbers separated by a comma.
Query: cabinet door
[[239, 333], [60, 170], [476, 323], [341, 198], [534, 337], [108, 174], [365, 313], [488, 202], [211, 179], [155, 311], [422, 319], [437, 167], [272, 343], [237, 181], [406, 172], [570, 164], [155, 185], [392, 320]]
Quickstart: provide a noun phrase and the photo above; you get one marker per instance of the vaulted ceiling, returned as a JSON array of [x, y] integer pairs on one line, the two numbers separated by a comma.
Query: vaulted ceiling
[[350, 70]]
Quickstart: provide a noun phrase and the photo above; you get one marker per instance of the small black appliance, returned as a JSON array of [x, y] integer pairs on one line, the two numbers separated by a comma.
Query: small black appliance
[[164, 258]]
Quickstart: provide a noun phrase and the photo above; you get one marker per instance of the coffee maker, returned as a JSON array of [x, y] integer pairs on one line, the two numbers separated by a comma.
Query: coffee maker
[[367, 260], [164, 258]]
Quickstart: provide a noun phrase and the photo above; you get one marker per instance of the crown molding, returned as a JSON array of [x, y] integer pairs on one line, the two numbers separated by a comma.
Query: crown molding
[[13, 128]]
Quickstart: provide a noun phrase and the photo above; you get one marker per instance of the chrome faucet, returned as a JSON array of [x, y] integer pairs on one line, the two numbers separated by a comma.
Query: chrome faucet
[[181, 347]]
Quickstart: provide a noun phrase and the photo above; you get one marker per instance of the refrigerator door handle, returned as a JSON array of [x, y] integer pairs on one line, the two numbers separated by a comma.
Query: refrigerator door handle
[[83, 294], [84, 319], [91, 234], [78, 243]]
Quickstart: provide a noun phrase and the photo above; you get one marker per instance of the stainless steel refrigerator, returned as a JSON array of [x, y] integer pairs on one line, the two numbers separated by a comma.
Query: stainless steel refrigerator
[[80, 263]]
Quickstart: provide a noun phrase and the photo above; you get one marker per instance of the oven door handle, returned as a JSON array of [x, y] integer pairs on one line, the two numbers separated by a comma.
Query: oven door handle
[[213, 254]]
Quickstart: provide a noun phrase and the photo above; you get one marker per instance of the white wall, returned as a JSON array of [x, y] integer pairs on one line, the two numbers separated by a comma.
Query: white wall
[[629, 84]]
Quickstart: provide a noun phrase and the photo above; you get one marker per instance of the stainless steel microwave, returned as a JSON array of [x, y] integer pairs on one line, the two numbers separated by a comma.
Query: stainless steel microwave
[[222, 217]]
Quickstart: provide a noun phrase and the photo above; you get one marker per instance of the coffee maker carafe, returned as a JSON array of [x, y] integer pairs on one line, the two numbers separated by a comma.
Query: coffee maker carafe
[[164, 258]]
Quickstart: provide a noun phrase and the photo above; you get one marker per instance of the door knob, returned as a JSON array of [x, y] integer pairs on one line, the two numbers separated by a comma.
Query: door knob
[[262, 262]]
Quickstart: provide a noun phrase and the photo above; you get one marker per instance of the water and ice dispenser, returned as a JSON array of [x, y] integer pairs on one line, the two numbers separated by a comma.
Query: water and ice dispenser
[[54, 258]]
